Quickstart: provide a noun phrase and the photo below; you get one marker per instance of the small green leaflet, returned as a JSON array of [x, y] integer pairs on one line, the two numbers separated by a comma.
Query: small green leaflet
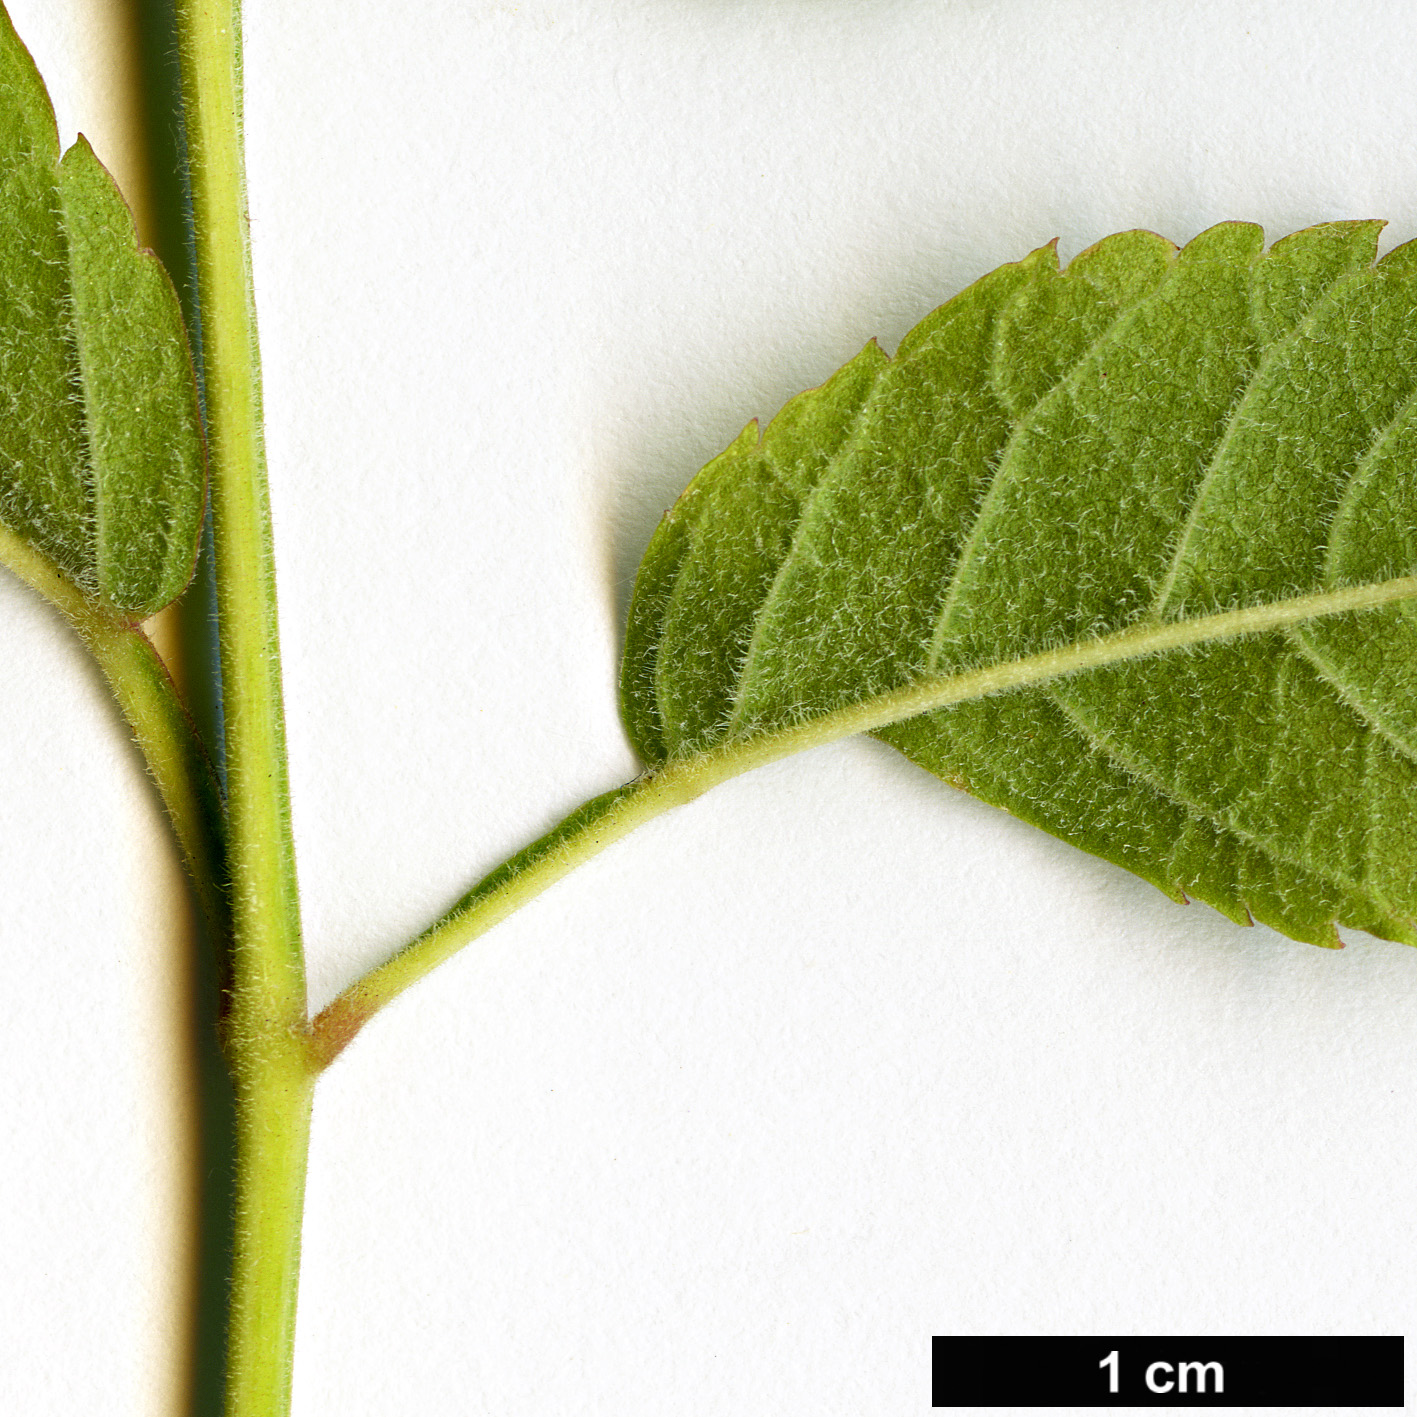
[[101, 464], [1128, 549]]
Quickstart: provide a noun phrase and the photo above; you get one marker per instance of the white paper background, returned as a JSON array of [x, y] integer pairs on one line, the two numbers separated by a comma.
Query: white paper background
[[834, 1059]]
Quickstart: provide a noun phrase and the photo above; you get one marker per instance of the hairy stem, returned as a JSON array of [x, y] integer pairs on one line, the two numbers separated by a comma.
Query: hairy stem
[[164, 731], [604, 820], [266, 1027], [587, 831], [273, 1093]]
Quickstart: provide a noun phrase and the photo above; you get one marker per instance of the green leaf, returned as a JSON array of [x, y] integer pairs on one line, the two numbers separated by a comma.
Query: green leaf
[[1128, 549], [101, 464]]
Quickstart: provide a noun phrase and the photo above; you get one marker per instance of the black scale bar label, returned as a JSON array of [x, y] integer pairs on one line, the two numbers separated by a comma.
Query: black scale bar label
[[1168, 1372]]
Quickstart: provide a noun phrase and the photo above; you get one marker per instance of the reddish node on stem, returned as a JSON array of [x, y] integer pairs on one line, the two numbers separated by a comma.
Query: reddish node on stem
[[334, 1027]]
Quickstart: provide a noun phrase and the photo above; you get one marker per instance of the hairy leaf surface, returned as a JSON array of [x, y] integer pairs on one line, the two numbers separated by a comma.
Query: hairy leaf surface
[[101, 465], [1140, 535]]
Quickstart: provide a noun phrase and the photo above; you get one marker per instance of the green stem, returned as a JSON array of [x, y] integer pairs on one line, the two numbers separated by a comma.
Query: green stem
[[603, 820], [267, 1025], [160, 723], [587, 831], [273, 1094]]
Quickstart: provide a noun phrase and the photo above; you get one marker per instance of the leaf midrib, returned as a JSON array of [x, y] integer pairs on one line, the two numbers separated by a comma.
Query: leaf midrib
[[925, 695]]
